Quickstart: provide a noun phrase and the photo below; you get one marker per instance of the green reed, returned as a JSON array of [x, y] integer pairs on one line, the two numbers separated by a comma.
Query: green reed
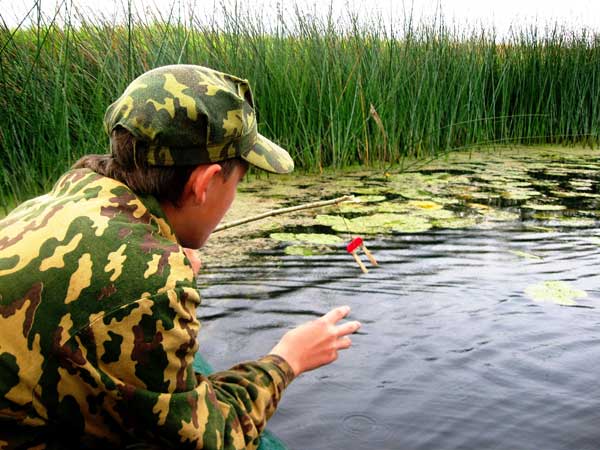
[[334, 95]]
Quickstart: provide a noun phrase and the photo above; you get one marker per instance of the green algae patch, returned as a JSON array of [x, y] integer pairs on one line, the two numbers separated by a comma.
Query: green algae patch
[[375, 224], [542, 189], [330, 221], [307, 244], [307, 238], [558, 292], [368, 191], [526, 255]]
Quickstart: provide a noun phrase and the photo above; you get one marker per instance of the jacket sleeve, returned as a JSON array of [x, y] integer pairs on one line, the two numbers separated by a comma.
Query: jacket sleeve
[[139, 380]]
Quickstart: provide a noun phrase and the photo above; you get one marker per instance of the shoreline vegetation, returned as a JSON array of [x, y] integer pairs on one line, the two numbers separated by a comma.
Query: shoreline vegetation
[[335, 97]]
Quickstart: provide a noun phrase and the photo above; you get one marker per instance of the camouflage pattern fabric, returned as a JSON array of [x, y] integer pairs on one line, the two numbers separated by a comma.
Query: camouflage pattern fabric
[[98, 318], [192, 115]]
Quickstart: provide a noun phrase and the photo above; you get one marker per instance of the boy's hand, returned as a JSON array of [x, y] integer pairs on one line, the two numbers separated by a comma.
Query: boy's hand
[[316, 343]]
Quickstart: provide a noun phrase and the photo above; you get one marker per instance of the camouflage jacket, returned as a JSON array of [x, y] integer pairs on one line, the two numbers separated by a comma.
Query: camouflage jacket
[[98, 331]]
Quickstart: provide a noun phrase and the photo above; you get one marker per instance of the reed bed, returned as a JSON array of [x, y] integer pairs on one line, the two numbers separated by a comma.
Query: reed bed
[[335, 96]]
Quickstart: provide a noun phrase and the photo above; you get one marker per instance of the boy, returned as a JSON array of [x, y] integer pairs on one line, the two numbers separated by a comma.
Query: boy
[[97, 294]]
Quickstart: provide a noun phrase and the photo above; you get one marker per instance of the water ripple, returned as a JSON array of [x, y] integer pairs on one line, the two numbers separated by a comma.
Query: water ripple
[[451, 355]]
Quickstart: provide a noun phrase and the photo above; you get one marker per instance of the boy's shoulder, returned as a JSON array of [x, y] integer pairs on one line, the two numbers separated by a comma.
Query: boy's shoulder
[[94, 231]]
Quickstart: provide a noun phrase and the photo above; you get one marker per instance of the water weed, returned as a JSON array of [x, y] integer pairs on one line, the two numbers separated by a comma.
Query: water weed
[[335, 96]]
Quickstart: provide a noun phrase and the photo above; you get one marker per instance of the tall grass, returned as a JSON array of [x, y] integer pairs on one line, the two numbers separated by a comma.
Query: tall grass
[[334, 96]]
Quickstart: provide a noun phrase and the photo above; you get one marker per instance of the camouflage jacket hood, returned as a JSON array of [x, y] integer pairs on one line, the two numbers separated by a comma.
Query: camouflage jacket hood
[[98, 312]]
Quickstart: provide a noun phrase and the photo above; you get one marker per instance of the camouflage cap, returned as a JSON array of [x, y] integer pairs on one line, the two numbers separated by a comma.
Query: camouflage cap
[[192, 115]]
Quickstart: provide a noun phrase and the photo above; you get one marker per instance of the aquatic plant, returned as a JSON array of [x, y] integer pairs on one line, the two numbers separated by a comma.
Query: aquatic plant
[[334, 93], [559, 292]]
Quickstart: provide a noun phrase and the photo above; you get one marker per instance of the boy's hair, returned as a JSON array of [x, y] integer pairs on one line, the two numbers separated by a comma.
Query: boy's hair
[[163, 182]]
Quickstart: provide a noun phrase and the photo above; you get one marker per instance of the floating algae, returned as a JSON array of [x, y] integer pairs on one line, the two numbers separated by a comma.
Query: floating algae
[[526, 255], [540, 190], [375, 224], [307, 238], [559, 292], [307, 244]]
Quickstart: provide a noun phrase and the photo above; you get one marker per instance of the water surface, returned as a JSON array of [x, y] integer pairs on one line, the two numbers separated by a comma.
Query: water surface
[[453, 354]]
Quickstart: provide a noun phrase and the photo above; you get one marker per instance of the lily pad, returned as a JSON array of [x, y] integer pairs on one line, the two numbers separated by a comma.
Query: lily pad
[[370, 198], [480, 207], [368, 190], [414, 193], [570, 194], [411, 224], [559, 292], [330, 221], [390, 207], [308, 238], [519, 194], [424, 204], [375, 224], [358, 208], [438, 214], [542, 207]]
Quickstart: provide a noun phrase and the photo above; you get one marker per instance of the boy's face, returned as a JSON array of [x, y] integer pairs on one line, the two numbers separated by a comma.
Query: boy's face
[[197, 221]]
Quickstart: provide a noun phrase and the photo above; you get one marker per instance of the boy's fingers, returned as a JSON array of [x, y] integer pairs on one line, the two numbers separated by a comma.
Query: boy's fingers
[[337, 314], [348, 328], [343, 343]]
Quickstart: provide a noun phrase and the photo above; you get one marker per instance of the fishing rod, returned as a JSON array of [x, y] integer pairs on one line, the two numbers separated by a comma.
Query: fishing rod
[[277, 212]]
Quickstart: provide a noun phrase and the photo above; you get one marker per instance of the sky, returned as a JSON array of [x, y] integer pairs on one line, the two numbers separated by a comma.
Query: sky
[[500, 15]]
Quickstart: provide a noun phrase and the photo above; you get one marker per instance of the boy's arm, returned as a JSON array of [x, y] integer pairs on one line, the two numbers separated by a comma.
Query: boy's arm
[[140, 372]]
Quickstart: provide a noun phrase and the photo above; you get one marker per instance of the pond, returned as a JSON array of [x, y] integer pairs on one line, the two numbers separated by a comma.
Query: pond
[[479, 331]]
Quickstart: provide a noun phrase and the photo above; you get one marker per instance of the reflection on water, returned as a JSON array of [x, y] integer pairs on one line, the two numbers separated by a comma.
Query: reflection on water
[[451, 355]]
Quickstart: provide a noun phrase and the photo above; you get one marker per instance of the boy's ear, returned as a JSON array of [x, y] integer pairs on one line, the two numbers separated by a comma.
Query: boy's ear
[[199, 181]]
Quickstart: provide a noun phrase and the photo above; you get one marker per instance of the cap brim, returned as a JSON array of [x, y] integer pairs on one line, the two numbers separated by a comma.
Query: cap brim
[[269, 156]]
